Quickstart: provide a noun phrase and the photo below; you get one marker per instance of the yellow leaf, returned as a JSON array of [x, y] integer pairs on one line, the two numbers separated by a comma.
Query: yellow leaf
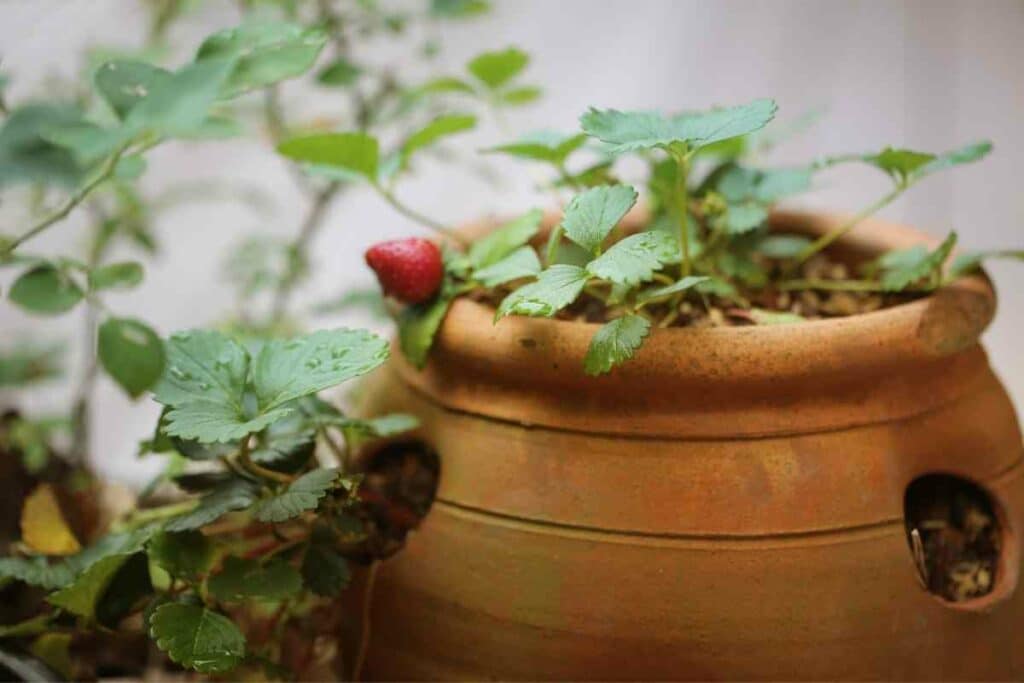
[[43, 527]]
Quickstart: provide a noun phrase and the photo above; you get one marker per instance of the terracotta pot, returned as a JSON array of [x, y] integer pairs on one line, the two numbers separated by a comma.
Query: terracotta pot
[[729, 505]]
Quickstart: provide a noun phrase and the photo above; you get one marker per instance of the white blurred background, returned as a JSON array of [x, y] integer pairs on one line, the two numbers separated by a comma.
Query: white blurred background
[[929, 74]]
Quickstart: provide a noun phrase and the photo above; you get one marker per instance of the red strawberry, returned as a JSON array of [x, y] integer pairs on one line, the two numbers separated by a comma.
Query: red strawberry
[[411, 269]]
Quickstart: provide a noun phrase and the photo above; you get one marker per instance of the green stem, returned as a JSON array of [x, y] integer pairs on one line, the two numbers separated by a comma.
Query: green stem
[[681, 199], [245, 460], [411, 214], [102, 174], [827, 239]]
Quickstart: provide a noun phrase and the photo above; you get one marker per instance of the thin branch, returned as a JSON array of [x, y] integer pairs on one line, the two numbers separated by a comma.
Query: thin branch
[[414, 215]]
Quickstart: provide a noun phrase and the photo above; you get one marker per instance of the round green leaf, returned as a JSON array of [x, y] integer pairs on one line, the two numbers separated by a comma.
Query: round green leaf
[[123, 275], [45, 290], [131, 353]]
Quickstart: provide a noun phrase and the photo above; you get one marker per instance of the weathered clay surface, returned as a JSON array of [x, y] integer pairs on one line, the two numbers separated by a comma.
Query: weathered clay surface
[[726, 506]]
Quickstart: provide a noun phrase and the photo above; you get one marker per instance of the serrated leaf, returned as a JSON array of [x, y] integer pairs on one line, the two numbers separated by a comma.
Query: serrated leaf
[[131, 353], [635, 259], [906, 165], [615, 342], [287, 370], [301, 495], [45, 290], [185, 554], [554, 289], [288, 444], [441, 127], [499, 243], [417, 327], [356, 430], [197, 637], [340, 72], [963, 155], [632, 131], [680, 285], [783, 246], [522, 262], [593, 214], [265, 53], [908, 273], [231, 496], [178, 106], [122, 275], [964, 264], [352, 152], [324, 571], [81, 595], [36, 571], [123, 84], [494, 69], [243, 579], [43, 527], [554, 148]]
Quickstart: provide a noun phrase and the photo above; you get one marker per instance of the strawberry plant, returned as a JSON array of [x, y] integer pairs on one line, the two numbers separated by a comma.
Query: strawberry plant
[[704, 254], [233, 559]]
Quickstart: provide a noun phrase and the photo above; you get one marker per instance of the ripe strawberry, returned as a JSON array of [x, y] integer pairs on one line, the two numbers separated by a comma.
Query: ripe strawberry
[[411, 269]]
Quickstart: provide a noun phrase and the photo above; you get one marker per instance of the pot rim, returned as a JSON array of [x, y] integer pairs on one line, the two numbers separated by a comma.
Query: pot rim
[[527, 369]]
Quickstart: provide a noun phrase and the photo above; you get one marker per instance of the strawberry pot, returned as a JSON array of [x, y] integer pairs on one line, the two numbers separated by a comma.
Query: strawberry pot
[[735, 503]]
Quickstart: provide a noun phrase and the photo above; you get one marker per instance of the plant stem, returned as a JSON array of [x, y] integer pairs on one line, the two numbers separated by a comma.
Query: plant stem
[[430, 223], [681, 202], [245, 460], [310, 226], [834, 285], [102, 174], [827, 239]]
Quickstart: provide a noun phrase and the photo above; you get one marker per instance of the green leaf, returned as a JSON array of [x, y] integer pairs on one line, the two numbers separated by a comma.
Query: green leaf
[[265, 53], [494, 69], [763, 317], [301, 495], [632, 131], [783, 246], [498, 244], [231, 496], [179, 105], [458, 9], [906, 165], [53, 650], [288, 444], [28, 363], [554, 289], [517, 97], [963, 264], [30, 627], [668, 290], [45, 290], [927, 265], [206, 376], [445, 84], [87, 142], [522, 262], [615, 342], [441, 127], [123, 275], [123, 83], [131, 353], [286, 370], [635, 259], [243, 579], [125, 592], [417, 327], [354, 152], [324, 570], [340, 72], [27, 157], [185, 554], [553, 148], [197, 637], [36, 571], [741, 218], [593, 214], [81, 596]]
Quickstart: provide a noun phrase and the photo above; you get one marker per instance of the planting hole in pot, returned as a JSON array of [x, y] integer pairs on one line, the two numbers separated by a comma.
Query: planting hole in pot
[[397, 492], [954, 535]]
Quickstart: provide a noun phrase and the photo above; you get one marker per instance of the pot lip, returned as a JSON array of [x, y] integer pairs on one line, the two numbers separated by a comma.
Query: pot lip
[[872, 235]]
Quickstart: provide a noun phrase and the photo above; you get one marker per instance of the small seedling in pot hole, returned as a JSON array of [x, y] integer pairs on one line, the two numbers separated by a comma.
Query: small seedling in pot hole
[[703, 255]]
